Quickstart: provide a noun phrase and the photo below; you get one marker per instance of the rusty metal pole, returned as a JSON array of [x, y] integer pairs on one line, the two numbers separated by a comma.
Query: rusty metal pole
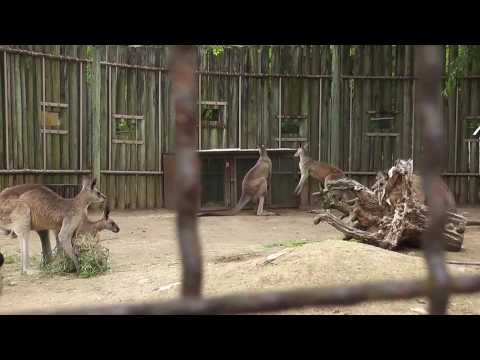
[[183, 63], [428, 67]]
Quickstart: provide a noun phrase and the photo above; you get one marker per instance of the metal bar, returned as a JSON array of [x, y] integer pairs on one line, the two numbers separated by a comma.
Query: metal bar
[[81, 116], [377, 77], [43, 55], [160, 142], [44, 115], [279, 300], [236, 74], [130, 117], [429, 71], [351, 127], [456, 128], [291, 139], [7, 130], [302, 116], [183, 62], [240, 112], [131, 66], [128, 172], [110, 118], [320, 119], [199, 111], [43, 171], [58, 132], [54, 104], [219, 103], [383, 134], [413, 119], [280, 113]]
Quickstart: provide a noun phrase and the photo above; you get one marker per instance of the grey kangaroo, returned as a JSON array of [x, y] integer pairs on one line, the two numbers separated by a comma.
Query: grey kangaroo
[[43, 210], [86, 226], [254, 187]]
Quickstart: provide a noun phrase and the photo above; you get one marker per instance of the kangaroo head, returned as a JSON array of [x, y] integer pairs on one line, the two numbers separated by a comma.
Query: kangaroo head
[[301, 150], [90, 192], [262, 150], [109, 223]]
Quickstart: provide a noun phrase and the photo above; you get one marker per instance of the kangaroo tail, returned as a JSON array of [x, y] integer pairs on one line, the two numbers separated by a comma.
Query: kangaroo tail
[[244, 200]]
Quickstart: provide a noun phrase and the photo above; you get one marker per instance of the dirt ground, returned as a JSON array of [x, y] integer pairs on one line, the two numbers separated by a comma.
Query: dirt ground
[[145, 260]]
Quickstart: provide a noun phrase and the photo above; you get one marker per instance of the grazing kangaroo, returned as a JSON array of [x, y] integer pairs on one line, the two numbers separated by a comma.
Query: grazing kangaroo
[[254, 187], [320, 171], [94, 227], [43, 210]]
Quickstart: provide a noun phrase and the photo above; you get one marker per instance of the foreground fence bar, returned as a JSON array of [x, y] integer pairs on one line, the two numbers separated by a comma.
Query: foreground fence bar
[[438, 287], [429, 71], [182, 64]]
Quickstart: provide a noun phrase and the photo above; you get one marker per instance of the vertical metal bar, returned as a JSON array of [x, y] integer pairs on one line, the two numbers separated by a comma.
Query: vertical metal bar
[[44, 115], [240, 111], [456, 128], [469, 155], [413, 119], [81, 116], [160, 142], [429, 72], [224, 132], [280, 113], [7, 130], [351, 127], [199, 111], [320, 110], [109, 118], [183, 64]]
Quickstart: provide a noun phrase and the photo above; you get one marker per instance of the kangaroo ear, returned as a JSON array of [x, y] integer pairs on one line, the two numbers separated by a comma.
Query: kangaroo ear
[[85, 182], [94, 183]]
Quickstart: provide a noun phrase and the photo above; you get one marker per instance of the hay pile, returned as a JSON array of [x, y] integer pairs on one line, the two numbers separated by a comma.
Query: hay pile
[[92, 256]]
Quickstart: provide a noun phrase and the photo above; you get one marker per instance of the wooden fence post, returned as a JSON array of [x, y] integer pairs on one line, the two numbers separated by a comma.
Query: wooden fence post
[[95, 103], [335, 113]]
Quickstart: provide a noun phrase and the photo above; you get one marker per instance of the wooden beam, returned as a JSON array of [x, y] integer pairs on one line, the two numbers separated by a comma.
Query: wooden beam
[[335, 113], [95, 101]]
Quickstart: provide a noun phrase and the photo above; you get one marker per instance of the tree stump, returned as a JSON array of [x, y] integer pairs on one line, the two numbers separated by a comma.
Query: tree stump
[[391, 214]]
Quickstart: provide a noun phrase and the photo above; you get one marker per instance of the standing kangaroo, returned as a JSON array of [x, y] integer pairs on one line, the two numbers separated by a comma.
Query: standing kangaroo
[[86, 226], [254, 187], [43, 210], [320, 171]]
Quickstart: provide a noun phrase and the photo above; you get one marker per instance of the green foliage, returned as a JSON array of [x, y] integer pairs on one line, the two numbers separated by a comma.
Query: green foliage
[[10, 259], [92, 256], [287, 244], [457, 65]]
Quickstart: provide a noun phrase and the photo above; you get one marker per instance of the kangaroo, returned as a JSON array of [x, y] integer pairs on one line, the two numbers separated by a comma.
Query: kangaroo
[[320, 171], [86, 226], [254, 187], [94, 227], [43, 210]]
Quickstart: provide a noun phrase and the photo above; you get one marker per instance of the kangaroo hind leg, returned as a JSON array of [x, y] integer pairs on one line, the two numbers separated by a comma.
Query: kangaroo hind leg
[[261, 202]]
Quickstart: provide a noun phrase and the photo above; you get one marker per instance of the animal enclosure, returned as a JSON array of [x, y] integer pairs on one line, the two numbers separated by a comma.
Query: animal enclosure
[[356, 109]]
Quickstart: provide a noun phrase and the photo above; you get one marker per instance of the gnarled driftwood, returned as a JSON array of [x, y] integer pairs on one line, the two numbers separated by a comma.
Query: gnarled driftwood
[[392, 213]]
